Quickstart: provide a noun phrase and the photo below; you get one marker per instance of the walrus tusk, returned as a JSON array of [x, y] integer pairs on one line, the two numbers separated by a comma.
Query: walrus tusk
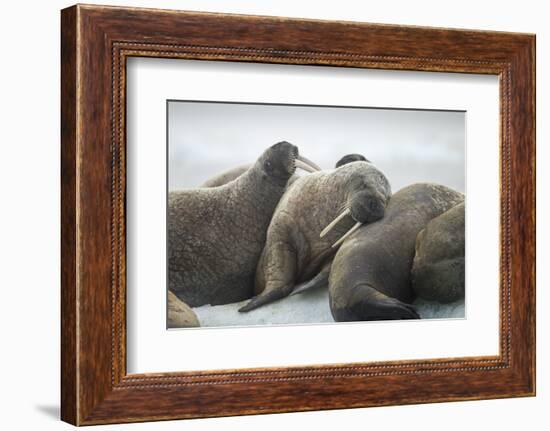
[[306, 164], [334, 222], [348, 233], [309, 162]]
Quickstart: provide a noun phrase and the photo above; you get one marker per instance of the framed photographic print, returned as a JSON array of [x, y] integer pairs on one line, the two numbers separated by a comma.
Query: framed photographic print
[[265, 214]]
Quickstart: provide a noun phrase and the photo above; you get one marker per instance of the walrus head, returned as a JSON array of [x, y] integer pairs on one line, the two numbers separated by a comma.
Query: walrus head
[[348, 158], [368, 194], [279, 162]]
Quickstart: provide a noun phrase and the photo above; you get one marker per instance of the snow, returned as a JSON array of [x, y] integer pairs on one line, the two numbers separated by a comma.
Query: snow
[[309, 307]]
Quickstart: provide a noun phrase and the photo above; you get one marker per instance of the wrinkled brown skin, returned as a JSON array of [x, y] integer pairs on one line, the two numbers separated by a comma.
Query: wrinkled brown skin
[[438, 267], [370, 274], [180, 315], [216, 235], [294, 252]]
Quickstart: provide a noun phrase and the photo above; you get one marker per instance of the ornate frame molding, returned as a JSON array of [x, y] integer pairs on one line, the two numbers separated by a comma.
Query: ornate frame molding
[[96, 41]]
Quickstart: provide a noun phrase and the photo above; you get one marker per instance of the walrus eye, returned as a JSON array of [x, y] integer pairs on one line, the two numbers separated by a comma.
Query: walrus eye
[[267, 165]]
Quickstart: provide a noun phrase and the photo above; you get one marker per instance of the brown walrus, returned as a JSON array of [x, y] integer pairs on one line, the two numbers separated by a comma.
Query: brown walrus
[[216, 235], [294, 251], [439, 268], [370, 276]]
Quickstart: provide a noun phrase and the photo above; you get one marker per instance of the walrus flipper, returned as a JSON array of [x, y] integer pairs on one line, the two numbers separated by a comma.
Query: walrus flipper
[[317, 282], [391, 309], [281, 273], [262, 299], [366, 303]]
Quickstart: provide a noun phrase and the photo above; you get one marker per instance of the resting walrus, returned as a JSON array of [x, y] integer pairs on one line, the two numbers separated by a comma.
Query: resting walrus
[[438, 267], [216, 235], [370, 274], [293, 251]]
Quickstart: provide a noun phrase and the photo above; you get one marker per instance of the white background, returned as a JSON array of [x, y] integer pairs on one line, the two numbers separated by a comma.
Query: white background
[[151, 81], [29, 216]]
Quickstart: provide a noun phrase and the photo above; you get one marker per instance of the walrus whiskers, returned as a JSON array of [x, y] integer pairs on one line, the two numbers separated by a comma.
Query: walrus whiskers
[[348, 233], [334, 222]]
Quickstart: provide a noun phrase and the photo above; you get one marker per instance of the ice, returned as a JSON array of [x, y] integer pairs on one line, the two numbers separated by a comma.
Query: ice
[[436, 310], [309, 307]]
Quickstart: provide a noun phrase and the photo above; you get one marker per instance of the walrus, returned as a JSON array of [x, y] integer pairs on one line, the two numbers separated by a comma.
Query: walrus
[[370, 274], [294, 251], [216, 235], [231, 174], [438, 267], [321, 279], [179, 314]]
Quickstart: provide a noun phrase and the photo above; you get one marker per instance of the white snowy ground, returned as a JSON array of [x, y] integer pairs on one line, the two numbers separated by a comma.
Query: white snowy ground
[[308, 307]]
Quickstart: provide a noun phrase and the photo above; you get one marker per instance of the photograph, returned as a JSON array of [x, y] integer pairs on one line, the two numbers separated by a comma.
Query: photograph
[[313, 214], [282, 210]]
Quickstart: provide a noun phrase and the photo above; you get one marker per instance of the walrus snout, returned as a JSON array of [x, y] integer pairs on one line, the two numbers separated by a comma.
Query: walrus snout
[[281, 160], [364, 207], [367, 206]]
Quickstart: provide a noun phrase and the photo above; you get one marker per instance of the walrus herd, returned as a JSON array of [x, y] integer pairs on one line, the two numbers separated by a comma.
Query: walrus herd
[[261, 232]]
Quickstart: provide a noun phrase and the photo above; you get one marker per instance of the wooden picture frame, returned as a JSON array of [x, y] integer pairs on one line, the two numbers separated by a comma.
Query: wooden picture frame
[[95, 43]]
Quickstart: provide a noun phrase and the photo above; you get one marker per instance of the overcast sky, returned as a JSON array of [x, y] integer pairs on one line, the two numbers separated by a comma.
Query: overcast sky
[[408, 146]]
